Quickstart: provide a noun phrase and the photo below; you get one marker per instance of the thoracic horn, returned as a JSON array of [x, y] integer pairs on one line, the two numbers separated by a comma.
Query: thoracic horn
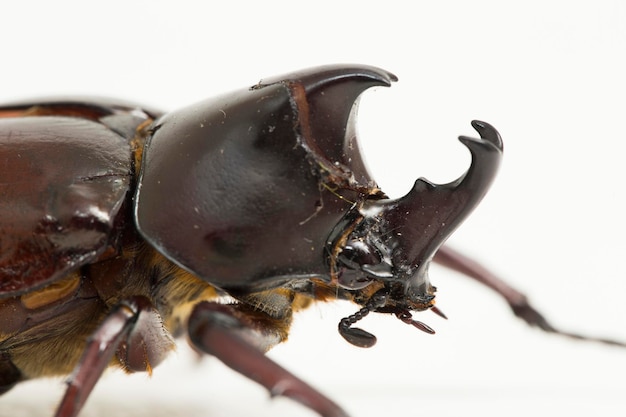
[[326, 101], [423, 219]]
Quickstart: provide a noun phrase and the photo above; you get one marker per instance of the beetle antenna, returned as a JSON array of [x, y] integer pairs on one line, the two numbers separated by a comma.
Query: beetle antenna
[[406, 317], [354, 335]]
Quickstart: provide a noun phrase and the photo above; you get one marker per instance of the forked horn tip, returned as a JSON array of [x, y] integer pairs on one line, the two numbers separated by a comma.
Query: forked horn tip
[[487, 133]]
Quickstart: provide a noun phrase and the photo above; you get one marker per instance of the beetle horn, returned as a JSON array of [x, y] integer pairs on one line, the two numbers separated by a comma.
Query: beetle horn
[[326, 99], [424, 218]]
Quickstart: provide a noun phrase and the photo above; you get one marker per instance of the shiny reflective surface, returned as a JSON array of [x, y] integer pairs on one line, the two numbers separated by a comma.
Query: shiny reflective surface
[[554, 85]]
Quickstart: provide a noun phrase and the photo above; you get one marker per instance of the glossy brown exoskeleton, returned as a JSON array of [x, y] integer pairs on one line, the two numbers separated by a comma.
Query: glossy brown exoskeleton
[[121, 226]]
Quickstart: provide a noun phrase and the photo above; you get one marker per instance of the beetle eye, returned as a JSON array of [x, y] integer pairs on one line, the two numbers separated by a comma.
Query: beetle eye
[[354, 255], [357, 253]]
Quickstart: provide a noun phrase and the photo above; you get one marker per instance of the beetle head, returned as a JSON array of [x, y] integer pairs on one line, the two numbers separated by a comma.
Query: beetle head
[[266, 187], [389, 244]]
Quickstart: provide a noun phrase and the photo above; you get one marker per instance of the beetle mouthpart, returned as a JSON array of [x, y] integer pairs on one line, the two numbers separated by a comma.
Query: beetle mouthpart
[[424, 218], [361, 338], [438, 312], [406, 317]]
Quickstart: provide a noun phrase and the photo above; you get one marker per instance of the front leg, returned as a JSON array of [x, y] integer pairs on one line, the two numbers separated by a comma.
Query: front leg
[[238, 336], [517, 301]]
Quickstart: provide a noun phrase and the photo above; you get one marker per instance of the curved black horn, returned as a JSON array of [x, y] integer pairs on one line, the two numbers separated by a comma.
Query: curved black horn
[[424, 218], [326, 99]]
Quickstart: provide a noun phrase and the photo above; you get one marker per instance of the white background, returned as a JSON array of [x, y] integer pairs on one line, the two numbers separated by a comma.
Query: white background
[[550, 75]]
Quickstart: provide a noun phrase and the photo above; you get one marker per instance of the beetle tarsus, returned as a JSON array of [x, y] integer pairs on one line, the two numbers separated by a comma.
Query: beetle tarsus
[[518, 302], [531, 316]]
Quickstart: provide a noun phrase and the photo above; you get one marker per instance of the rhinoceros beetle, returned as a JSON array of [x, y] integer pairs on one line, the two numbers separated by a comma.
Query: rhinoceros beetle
[[122, 226]]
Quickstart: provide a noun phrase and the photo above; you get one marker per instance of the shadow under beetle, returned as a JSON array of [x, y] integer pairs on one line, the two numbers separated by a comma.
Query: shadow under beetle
[[122, 227]]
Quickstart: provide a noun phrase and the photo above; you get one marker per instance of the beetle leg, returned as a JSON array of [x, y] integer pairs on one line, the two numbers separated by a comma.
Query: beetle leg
[[101, 346], [518, 302], [9, 374], [225, 332]]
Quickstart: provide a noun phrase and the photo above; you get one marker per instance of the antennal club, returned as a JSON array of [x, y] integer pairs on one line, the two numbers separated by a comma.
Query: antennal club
[[354, 335]]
